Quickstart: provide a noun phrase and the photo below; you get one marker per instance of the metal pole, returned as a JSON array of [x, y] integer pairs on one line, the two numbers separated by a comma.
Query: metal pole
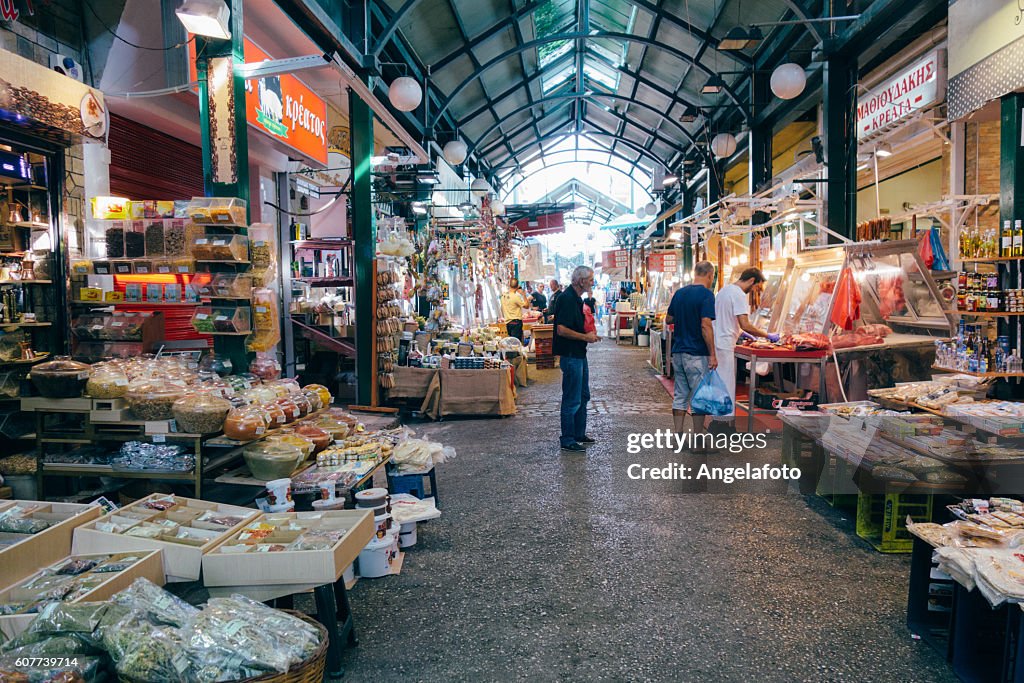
[[364, 237]]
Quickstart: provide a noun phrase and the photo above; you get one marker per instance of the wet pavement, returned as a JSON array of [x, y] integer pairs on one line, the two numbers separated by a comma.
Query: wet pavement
[[551, 566]]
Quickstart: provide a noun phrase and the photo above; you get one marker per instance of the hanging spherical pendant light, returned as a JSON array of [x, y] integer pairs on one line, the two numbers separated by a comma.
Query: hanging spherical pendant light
[[498, 208], [455, 152], [405, 93], [641, 213], [480, 188], [651, 209], [723, 145], [788, 80]]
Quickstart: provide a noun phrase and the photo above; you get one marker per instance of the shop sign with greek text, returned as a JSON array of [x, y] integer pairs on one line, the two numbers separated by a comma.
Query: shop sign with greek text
[[283, 108], [920, 85]]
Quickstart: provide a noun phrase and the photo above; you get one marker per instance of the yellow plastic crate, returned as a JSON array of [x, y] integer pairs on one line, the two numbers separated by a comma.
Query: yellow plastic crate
[[881, 519]]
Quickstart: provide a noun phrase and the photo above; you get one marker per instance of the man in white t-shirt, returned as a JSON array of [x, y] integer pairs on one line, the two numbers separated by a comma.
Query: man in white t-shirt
[[732, 310]]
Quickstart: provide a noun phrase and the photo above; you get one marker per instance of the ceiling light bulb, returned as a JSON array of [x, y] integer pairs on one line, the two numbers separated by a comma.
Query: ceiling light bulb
[[205, 18], [883, 151]]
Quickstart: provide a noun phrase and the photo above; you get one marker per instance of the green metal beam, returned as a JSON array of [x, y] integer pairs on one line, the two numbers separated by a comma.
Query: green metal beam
[[840, 105], [231, 178], [364, 238]]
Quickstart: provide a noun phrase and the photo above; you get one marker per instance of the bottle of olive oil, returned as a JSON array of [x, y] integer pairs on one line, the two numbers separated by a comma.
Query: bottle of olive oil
[[1006, 240]]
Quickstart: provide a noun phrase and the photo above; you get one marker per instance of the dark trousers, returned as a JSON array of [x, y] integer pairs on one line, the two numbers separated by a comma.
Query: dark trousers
[[575, 396], [515, 329]]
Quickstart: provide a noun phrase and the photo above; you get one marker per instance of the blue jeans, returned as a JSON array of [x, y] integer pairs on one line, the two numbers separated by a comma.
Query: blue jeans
[[575, 396]]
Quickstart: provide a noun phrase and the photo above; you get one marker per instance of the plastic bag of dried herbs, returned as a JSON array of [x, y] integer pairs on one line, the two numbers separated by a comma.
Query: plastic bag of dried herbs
[[79, 620], [59, 645], [237, 637], [159, 605], [143, 651]]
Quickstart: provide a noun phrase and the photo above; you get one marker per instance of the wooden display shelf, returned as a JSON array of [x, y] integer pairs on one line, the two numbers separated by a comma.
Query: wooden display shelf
[[25, 362], [25, 324], [31, 224], [986, 314], [992, 260], [326, 281], [979, 374]]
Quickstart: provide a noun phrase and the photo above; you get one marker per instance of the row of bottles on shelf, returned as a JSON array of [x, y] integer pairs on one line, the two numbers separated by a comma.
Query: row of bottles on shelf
[[972, 350], [980, 292], [981, 243]]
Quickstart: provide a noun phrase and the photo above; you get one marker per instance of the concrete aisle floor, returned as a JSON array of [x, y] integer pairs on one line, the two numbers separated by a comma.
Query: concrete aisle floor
[[550, 567]]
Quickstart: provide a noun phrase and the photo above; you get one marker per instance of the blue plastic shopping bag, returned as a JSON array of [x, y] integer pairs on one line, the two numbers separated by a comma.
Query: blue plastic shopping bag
[[712, 396]]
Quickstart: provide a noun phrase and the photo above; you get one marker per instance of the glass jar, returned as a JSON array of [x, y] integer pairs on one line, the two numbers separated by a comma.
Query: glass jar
[[322, 391], [107, 381], [292, 412], [290, 385], [314, 400], [269, 460], [154, 400], [275, 415], [244, 424], [337, 430], [319, 437], [201, 413], [290, 437], [60, 378], [215, 362], [266, 369], [305, 407]]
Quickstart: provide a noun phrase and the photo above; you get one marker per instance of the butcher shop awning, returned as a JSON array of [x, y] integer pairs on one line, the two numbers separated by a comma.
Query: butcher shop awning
[[545, 224]]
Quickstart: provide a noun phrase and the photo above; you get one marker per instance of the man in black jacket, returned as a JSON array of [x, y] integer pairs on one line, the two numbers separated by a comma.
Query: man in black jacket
[[556, 290], [570, 345]]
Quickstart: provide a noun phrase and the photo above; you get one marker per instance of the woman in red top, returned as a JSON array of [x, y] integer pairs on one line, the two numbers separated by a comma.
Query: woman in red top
[[589, 324]]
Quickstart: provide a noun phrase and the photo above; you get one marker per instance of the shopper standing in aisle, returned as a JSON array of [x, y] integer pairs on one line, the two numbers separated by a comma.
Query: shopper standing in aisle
[[732, 308], [692, 311], [537, 300], [570, 345], [513, 303], [556, 290]]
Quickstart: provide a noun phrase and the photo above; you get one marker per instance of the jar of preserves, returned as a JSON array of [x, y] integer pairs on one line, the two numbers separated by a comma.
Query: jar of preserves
[[244, 424], [201, 413]]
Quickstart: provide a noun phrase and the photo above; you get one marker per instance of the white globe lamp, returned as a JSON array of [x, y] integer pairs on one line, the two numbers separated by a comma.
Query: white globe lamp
[[723, 145], [641, 212], [498, 208], [480, 188], [651, 209], [405, 93], [455, 152], [788, 80]]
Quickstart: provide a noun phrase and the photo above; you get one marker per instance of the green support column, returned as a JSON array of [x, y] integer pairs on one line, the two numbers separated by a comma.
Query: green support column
[[224, 133], [840, 103], [364, 237], [422, 305], [1011, 186]]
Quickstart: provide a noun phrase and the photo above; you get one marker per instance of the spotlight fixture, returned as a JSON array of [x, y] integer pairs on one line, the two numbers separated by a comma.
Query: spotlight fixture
[[739, 38], [883, 150], [427, 177], [205, 18], [690, 114], [713, 86]]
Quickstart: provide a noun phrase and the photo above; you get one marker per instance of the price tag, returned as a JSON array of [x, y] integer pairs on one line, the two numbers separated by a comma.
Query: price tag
[[96, 328], [202, 241], [183, 269], [163, 269], [142, 270], [261, 309], [159, 438], [123, 269], [201, 316], [117, 324], [221, 318]]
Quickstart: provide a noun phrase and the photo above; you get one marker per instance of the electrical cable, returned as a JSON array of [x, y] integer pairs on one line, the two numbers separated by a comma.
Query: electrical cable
[[111, 31]]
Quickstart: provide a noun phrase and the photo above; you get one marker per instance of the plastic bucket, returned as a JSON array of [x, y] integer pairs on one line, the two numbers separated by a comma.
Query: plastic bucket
[[643, 340], [407, 535], [376, 558], [372, 497], [334, 504], [383, 525]]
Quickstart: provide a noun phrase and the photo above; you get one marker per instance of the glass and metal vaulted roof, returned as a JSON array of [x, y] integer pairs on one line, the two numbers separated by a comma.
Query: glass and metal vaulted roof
[[520, 77]]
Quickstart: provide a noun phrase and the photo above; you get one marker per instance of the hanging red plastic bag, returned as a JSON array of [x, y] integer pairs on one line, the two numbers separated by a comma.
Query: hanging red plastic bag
[[846, 306], [924, 248], [712, 396]]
